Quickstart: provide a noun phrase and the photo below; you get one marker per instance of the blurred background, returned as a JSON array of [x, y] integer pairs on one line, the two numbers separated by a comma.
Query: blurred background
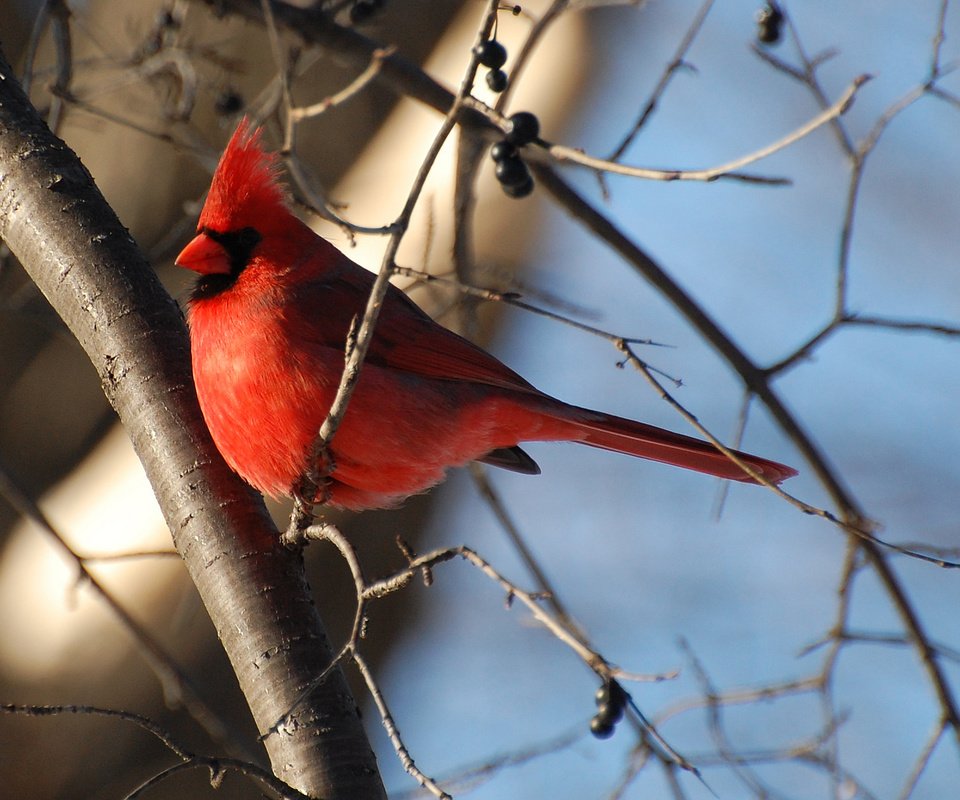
[[663, 569]]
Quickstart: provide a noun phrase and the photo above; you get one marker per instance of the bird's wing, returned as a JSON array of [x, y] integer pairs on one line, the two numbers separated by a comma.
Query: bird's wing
[[406, 337]]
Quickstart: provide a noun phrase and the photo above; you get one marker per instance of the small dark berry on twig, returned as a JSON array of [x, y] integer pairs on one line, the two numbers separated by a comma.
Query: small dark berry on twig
[[524, 128], [502, 150], [497, 80], [492, 54]]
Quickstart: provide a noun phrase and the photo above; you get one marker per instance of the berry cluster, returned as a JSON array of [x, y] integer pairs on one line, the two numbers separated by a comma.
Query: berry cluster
[[611, 701], [493, 55], [769, 24], [513, 174]]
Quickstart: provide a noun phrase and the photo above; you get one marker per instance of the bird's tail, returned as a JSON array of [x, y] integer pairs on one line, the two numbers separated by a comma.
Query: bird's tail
[[647, 441]]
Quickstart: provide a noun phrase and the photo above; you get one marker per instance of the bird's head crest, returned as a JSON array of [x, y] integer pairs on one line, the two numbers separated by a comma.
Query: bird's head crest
[[246, 187]]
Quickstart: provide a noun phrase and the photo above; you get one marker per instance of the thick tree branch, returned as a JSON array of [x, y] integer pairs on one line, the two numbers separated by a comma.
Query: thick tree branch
[[68, 239]]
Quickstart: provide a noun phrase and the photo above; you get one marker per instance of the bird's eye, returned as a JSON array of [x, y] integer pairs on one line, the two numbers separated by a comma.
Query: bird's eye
[[240, 245], [248, 238]]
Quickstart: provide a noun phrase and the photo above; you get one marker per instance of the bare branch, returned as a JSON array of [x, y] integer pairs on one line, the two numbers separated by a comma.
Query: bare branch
[[177, 686], [188, 760], [677, 63], [727, 170], [356, 353]]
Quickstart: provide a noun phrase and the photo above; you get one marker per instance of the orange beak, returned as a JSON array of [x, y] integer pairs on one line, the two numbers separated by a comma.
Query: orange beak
[[205, 256]]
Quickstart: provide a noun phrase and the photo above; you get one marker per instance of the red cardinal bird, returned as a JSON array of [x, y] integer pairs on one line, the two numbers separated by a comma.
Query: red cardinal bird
[[268, 319]]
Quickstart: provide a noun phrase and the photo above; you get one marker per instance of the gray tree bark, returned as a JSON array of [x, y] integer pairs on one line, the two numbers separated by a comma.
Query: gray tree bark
[[71, 243]]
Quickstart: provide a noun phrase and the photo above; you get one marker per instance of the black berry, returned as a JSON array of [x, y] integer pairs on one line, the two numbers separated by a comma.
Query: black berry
[[611, 700], [492, 54], [601, 728], [497, 80], [611, 693], [519, 190], [502, 150], [512, 171], [524, 128], [612, 713], [769, 24]]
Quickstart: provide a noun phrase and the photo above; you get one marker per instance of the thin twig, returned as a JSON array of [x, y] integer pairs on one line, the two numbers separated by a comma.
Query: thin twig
[[590, 657], [923, 759], [861, 531], [358, 84], [188, 760], [910, 326], [177, 686], [537, 31], [545, 586], [511, 298], [468, 779], [365, 592], [677, 63], [728, 170], [394, 735], [356, 354]]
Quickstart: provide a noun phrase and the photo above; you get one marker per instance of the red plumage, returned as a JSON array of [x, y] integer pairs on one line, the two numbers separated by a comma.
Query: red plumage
[[268, 322]]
